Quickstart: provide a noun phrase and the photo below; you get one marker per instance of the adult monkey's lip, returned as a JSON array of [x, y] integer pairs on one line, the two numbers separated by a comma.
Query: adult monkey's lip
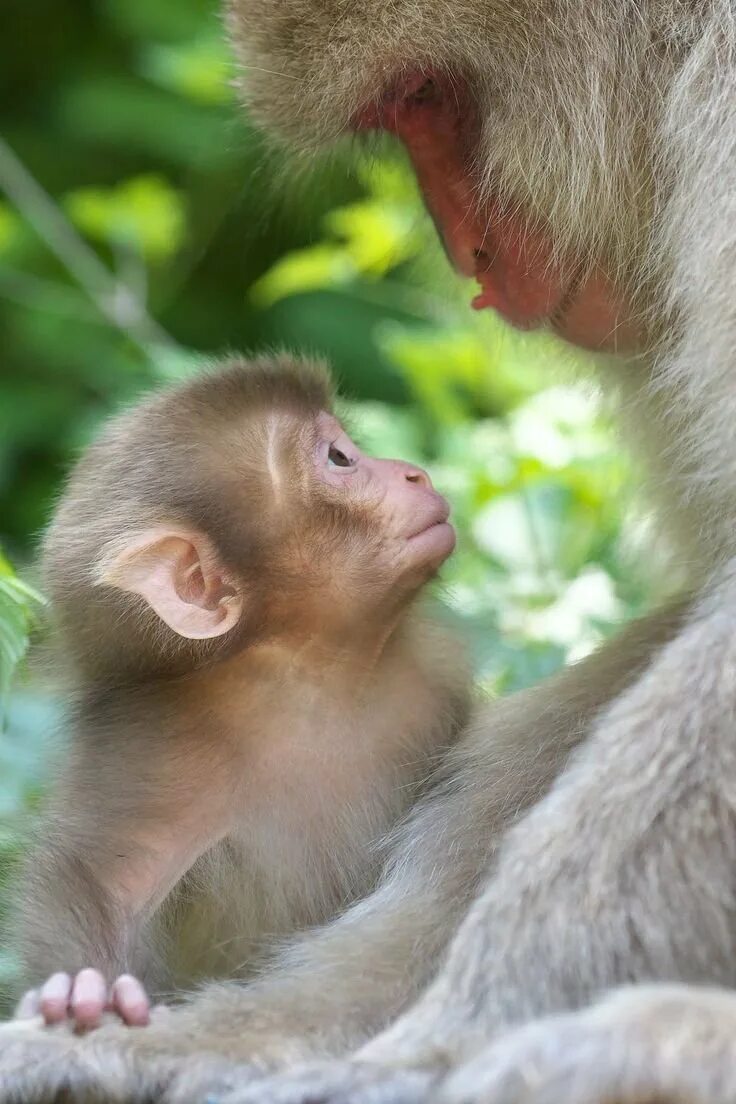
[[435, 117]]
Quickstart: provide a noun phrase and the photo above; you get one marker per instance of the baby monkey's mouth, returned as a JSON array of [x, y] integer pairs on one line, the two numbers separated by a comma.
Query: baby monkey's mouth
[[437, 514], [433, 540]]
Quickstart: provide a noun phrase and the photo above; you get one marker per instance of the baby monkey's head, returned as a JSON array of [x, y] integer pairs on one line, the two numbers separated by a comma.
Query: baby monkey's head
[[231, 510]]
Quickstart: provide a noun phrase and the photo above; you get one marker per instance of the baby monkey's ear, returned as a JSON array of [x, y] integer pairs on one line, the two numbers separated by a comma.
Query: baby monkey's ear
[[180, 576]]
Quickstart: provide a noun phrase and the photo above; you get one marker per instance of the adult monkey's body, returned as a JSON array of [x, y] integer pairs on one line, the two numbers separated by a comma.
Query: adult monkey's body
[[597, 142]]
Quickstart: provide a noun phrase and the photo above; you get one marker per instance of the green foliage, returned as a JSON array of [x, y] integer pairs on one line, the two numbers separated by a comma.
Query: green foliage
[[19, 758], [18, 605]]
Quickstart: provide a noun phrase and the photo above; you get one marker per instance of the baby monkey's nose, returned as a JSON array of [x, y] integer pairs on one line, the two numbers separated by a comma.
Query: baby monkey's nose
[[418, 476]]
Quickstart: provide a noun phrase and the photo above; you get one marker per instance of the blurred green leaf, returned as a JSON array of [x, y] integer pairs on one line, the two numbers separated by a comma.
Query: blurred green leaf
[[18, 605], [364, 240], [319, 266], [146, 19], [200, 70], [376, 235], [9, 226], [444, 368], [144, 212], [116, 113]]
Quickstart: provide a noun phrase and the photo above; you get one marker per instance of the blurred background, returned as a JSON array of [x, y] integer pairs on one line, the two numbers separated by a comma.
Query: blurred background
[[145, 228]]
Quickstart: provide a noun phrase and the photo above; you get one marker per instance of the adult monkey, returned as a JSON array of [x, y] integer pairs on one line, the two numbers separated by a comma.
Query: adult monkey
[[580, 159]]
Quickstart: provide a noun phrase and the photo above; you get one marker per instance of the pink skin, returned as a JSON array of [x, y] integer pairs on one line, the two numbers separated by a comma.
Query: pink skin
[[85, 998], [416, 516]]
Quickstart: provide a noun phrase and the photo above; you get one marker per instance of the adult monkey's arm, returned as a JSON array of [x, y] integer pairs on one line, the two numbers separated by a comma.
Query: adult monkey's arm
[[623, 871]]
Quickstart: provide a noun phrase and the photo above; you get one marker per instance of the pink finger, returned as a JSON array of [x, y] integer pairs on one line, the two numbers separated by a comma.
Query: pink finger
[[130, 1001], [89, 997], [54, 1002], [29, 1006]]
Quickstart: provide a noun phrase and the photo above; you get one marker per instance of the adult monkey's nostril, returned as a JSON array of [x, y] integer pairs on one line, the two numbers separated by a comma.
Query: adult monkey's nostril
[[417, 90], [425, 93]]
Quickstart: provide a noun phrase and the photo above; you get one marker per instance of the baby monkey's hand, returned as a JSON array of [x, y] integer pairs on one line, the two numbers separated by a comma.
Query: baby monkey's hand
[[84, 999]]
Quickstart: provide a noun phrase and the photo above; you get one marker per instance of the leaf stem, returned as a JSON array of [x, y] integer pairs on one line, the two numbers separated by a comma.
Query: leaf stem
[[114, 299]]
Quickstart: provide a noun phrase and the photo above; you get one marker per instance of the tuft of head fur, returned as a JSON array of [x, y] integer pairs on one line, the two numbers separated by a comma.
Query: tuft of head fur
[[193, 456]]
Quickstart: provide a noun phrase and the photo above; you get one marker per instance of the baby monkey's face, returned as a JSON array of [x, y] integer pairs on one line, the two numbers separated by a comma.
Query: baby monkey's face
[[272, 520], [406, 517]]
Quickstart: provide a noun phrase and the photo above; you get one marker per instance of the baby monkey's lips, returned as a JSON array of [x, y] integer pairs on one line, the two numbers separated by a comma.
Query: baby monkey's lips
[[512, 260], [437, 513], [433, 540]]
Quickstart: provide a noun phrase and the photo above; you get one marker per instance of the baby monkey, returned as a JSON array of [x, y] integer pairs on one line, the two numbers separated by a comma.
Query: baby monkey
[[257, 699]]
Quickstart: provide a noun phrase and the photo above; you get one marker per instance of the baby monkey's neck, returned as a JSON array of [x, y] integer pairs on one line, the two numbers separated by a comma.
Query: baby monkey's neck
[[324, 675], [282, 725]]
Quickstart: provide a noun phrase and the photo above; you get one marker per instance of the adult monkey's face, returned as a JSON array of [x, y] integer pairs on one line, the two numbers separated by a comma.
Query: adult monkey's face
[[529, 125]]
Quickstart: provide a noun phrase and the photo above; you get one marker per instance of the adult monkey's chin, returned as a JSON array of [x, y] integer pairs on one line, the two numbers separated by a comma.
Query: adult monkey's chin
[[512, 260]]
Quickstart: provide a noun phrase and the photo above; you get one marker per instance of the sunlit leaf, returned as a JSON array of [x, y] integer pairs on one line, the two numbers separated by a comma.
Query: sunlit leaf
[[377, 236], [144, 212], [319, 266]]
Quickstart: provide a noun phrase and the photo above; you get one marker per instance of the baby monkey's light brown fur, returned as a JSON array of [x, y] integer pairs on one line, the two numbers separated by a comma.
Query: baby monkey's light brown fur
[[257, 700]]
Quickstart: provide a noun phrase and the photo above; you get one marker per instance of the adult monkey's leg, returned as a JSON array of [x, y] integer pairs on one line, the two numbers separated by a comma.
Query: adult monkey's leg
[[668, 1044], [334, 988]]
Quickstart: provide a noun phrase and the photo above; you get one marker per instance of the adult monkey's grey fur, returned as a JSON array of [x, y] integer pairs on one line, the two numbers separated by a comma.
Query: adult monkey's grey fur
[[615, 122]]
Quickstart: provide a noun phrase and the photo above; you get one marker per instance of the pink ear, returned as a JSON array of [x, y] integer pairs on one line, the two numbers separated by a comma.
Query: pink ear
[[180, 576]]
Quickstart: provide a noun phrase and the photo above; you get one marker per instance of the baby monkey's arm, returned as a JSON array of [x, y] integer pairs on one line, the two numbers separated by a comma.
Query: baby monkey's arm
[[125, 824]]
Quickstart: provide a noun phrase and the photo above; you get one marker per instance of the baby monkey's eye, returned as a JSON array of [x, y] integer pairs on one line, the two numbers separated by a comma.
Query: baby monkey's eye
[[338, 459]]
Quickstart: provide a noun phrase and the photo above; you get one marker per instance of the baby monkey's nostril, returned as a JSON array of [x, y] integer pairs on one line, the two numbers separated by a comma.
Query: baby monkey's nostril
[[416, 475]]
